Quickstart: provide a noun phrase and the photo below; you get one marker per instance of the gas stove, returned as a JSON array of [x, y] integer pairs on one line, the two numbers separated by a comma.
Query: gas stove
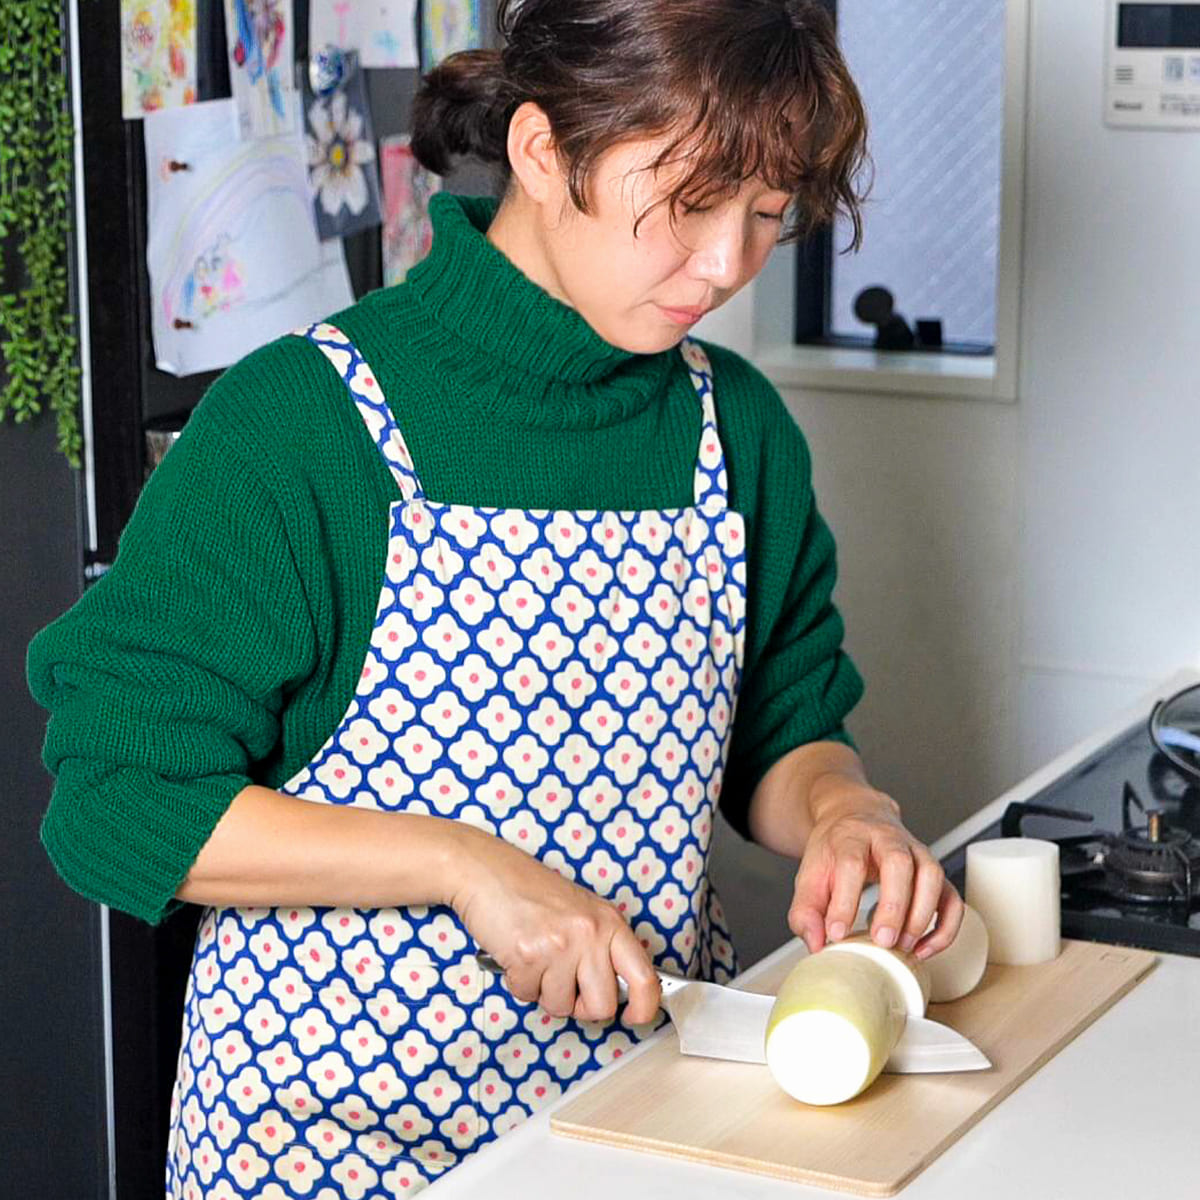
[[1127, 823]]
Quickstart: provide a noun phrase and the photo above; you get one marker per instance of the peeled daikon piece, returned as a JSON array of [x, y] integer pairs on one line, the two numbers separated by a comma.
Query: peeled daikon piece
[[957, 970], [911, 975], [1015, 885], [835, 1021]]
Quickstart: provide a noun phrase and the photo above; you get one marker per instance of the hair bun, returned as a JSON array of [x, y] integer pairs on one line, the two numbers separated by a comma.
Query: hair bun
[[461, 110]]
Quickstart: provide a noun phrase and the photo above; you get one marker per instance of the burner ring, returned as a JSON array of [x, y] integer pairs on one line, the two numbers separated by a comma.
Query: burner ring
[[1141, 869]]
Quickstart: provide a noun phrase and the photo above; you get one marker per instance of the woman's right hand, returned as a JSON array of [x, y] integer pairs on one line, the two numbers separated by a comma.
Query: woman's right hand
[[560, 945]]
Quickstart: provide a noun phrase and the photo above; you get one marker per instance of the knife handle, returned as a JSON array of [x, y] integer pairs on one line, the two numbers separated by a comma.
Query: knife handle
[[670, 984]]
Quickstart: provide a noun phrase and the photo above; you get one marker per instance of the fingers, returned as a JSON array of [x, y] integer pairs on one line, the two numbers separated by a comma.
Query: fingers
[[926, 896], [523, 977], [896, 871], [559, 990], [597, 984], [579, 979], [629, 959], [810, 899], [572, 971], [848, 881], [949, 920], [912, 889]]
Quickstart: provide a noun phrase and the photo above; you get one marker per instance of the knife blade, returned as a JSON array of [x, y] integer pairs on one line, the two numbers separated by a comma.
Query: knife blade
[[713, 1021]]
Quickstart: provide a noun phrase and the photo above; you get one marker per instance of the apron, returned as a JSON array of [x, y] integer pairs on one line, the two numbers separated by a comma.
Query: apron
[[563, 680]]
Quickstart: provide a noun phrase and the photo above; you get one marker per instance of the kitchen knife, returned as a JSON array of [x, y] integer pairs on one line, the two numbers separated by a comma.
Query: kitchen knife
[[722, 1022]]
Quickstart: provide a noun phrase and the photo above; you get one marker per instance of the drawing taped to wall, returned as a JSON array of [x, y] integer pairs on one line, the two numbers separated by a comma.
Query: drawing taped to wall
[[407, 187], [158, 55], [383, 32], [341, 155], [259, 35], [232, 250], [448, 26]]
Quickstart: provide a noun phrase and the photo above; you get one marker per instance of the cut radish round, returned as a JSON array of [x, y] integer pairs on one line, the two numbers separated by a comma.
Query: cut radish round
[[911, 976], [836, 1019], [819, 1057], [957, 970]]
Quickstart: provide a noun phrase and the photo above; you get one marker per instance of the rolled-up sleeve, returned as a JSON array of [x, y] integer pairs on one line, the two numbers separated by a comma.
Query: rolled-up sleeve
[[798, 683], [165, 681]]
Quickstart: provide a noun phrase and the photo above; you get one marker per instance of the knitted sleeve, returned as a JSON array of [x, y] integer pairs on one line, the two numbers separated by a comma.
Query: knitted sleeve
[[798, 684], [165, 680]]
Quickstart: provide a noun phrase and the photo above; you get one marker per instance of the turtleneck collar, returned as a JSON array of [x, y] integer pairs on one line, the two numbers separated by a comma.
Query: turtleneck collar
[[537, 360]]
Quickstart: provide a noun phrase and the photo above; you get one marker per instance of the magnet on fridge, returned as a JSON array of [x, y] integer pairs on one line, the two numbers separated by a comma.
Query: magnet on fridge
[[326, 69]]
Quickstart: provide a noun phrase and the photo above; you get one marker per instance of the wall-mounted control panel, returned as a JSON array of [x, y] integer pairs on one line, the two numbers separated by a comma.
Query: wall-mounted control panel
[[1152, 65]]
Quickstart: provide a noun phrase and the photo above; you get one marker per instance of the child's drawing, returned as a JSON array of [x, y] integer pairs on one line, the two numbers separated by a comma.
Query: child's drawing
[[232, 250], [383, 32], [341, 156], [407, 187], [215, 282], [448, 26], [259, 35], [158, 55]]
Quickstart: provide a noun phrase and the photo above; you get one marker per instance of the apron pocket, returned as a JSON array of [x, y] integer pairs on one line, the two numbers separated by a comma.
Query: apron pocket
[[437, 1052]]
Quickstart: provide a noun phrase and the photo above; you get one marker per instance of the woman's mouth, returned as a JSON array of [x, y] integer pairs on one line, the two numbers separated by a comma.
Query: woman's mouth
[[682, 316]]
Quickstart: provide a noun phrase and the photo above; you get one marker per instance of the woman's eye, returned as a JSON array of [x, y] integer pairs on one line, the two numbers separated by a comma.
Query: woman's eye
[[771, 216]]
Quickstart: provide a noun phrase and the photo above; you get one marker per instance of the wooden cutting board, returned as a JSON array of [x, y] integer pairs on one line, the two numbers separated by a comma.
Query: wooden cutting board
[[734, 1115]]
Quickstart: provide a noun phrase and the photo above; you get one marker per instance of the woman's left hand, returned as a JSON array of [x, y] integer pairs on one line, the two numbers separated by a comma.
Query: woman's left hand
[[856, 839]]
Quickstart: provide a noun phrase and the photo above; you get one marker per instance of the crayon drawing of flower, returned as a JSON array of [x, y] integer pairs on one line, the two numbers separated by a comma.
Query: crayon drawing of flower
[[337, 152]]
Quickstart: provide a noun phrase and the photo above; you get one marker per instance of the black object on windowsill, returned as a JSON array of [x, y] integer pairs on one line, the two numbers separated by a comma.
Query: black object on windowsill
[[876, 306], [929, 333]]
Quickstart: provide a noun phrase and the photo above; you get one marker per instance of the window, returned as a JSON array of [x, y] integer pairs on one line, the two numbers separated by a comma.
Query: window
[[932, 76]]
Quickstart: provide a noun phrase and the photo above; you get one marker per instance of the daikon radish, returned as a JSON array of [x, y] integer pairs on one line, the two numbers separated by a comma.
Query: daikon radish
[[957, 970], [910, 975], [1015, 886], [837, 1018]]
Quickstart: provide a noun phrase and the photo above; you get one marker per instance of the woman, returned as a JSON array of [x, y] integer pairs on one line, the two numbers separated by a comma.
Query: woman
[[427, 637]]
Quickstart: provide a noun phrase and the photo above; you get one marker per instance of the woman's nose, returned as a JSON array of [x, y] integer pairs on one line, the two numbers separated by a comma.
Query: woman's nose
[[718, 255]]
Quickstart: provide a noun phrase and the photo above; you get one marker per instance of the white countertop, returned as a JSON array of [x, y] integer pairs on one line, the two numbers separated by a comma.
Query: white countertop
[[1113, 1114]]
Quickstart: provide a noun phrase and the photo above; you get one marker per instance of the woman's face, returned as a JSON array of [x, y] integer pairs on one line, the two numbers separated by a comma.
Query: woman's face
[[644, 292]]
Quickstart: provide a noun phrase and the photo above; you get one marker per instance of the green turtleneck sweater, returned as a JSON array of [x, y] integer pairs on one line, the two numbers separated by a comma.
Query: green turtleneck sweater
[[225, 642]]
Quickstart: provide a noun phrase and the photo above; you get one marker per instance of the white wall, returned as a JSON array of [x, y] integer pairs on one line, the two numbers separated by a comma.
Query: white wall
[[1011, 575], [1109, 560]]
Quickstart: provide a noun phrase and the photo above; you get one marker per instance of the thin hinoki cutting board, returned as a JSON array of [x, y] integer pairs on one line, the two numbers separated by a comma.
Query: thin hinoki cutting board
[[734, 1115]]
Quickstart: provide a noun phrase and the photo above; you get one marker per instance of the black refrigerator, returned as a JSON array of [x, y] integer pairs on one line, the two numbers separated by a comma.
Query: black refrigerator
[[102, 992]]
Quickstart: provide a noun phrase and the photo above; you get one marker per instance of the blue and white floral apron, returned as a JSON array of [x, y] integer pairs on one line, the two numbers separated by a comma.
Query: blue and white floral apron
[[563, 680]]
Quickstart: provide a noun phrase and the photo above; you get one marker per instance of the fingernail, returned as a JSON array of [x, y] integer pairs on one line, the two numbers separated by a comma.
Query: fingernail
[[885, 937], [907, 942], [837, 931], [924, 952]]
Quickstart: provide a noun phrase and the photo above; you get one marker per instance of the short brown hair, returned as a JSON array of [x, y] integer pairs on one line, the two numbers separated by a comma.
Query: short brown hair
[[749, 88]]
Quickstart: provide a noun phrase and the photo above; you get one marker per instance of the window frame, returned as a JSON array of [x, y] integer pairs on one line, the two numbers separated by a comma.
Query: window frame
[[767, 317]]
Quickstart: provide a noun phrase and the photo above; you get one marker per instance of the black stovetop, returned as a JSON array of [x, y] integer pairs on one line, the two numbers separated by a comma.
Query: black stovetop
[[1097, 786]]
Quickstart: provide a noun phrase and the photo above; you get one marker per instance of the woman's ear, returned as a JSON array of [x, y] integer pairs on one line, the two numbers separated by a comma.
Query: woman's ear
[[533, 156]]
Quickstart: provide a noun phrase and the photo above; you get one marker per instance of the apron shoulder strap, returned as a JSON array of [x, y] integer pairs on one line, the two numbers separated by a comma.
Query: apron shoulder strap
[[711, 488], [368, 398]]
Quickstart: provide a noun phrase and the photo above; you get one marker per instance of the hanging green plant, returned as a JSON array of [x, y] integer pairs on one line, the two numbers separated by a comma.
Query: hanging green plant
[[37, 330]]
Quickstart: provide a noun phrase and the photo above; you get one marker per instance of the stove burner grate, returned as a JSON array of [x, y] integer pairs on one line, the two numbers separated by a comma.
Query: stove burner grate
[[1143, 864], [1152, 864]]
